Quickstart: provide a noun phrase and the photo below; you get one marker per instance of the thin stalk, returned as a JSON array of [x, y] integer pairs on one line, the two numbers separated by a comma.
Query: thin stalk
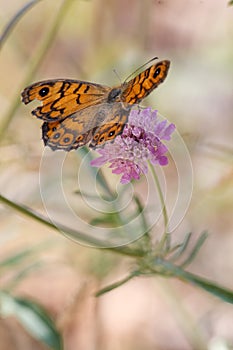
[[35, 62], [146, 241], [84, 151], [140, 210], [167, 269], [83, 237], [14, 20], [190, 328], [101, 179], [166, 236]]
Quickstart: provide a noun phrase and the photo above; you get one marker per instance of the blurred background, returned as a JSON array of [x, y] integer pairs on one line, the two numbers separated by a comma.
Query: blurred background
[[91, 40]]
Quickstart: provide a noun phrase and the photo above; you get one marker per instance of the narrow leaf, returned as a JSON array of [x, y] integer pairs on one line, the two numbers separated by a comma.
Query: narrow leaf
[[91, 196], [19, 276], [33, 318], [195, 250], [180, 248], [19, 257], [171, 270], [117, 284], [211, 287]]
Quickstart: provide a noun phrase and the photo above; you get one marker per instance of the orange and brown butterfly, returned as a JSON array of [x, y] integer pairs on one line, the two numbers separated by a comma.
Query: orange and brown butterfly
[[77, 112]]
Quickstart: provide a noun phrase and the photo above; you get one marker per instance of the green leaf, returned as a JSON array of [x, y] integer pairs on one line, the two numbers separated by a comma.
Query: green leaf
[[211, 287], [19, 276], [140, 211], [179, 249], [195, 250], [109, 218], [96, 173], [81, 236], [117, 284], [17, 258], [230, 2], [91, 196], [33, 318], [166, 268]]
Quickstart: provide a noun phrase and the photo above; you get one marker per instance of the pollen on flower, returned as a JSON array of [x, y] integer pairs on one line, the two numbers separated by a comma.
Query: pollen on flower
[[139, 143]]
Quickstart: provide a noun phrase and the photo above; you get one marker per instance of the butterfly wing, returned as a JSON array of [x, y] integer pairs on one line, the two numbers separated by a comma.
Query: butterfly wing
[[65, 135], [76, 112], [113, 124], [98, 124], [141, 86], [61, 97]]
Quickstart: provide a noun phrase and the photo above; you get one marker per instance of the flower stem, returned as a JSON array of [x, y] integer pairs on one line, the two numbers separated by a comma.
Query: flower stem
[[82, 236], [165, 240]]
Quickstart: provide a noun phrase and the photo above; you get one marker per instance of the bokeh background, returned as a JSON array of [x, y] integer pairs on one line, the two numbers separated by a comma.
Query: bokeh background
[[95, 37]]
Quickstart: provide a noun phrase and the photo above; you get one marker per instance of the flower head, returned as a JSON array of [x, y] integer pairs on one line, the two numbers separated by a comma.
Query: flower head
[[139, 142]]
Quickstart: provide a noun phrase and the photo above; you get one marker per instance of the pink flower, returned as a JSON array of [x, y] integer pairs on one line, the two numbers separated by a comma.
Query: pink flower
[[139, 143]]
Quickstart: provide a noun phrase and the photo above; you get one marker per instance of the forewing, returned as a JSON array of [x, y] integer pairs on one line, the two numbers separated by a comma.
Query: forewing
[[144, 83], [61, 97]]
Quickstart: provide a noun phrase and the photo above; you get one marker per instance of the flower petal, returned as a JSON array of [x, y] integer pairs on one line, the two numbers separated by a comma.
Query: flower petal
[[139, 142]]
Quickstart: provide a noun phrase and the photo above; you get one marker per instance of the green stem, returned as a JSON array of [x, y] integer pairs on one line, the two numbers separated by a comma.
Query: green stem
[[189, 326], [140, 211], [167, 269], [97, 174], [83, 237], [12, 23], [35, 62], [101, 179], [165, 240]]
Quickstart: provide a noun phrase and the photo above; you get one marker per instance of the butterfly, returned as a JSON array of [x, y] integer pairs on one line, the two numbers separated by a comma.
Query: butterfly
[[76, 112]]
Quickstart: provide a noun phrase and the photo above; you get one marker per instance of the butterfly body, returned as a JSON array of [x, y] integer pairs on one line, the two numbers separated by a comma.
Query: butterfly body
[[76, 112]]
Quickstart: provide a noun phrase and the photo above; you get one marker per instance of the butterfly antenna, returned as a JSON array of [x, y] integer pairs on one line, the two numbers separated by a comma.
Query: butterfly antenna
[[140, 68], [117, 75]]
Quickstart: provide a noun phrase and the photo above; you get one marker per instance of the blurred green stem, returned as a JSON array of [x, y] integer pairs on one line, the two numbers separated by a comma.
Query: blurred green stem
[[97, 173], [35, 62], [185, 319], [100, 178], [12, 23], [166, 239], [83, 237], [165, 268]]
